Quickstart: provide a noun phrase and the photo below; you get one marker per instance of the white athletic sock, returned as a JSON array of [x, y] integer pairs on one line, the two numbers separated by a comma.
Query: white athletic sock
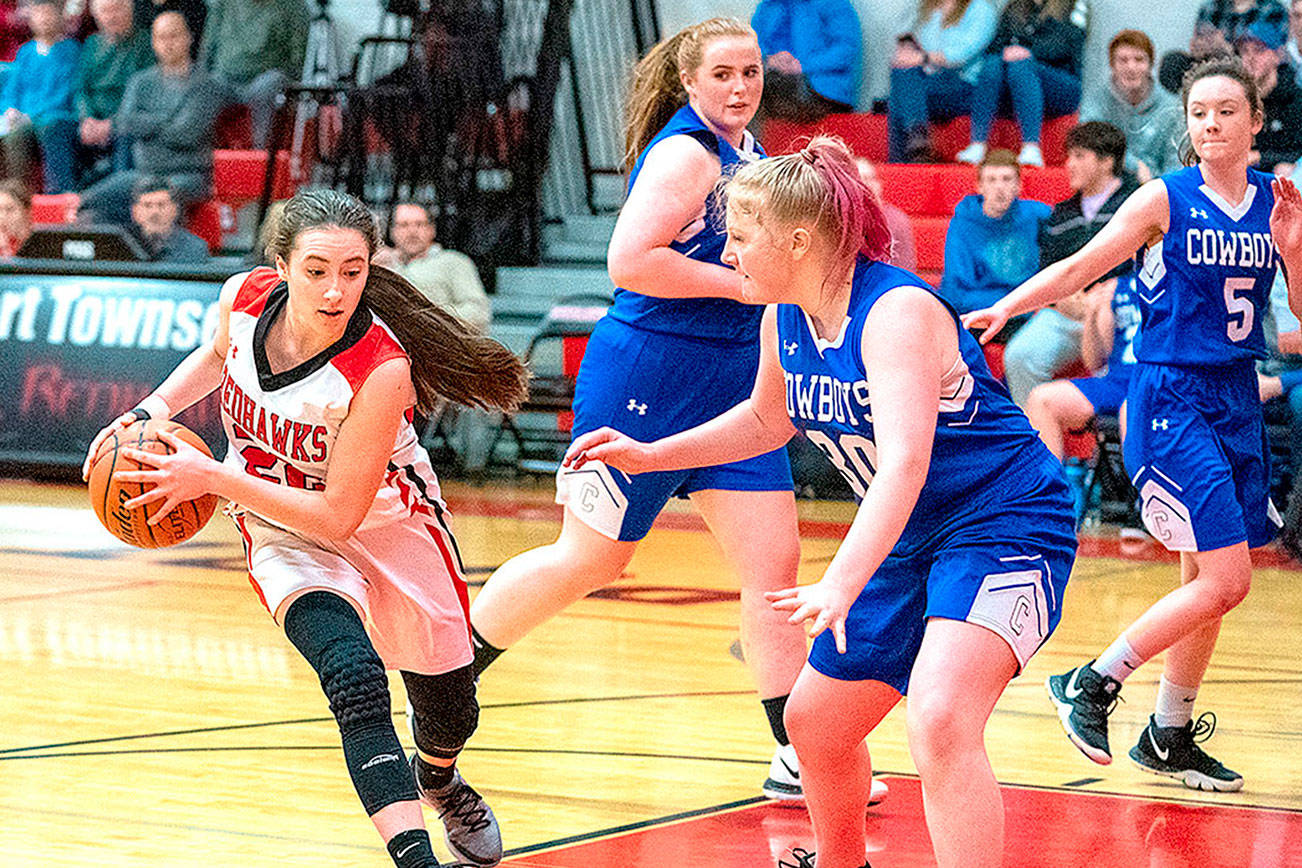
[[1119, 661], [1174, 703]]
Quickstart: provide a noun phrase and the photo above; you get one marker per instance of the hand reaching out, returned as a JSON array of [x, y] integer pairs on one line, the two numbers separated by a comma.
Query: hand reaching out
[[1286, 220], [176, 477], [612, 448], [824, 603]]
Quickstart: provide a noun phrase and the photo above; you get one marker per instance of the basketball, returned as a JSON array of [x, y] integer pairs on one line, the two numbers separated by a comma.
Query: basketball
[[107, 496]]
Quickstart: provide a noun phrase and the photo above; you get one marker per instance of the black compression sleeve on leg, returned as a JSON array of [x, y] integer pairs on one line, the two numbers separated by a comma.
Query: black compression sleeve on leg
[[485, 653], [327, 631], [775, 708], [445, 710]]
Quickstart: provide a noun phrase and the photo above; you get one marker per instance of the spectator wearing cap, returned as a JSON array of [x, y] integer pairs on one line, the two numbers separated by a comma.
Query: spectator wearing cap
[[812, 53], [1279, 143], [1151, 117], [109, 57], [154, 213], [903, 249], [168, 111], [254, 48], [1219, 24], [36, 119]]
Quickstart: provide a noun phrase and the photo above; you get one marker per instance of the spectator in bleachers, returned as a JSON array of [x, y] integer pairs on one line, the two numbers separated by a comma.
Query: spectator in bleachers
[[992, 243], [933, 70], [1109, 326], [1279, 143], [36, 119], [13, 30], [195, 12], [904, 252], [1050, 340], [1033, 65], [154, 213], [812, 52], [1151, 117], [1292, 54], [168, 111], [109, 57], [1219, 24], [446, 277], [15, 216], [254, 48]]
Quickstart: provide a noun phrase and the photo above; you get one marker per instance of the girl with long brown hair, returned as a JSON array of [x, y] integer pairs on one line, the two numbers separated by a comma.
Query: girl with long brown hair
[[319, 363]]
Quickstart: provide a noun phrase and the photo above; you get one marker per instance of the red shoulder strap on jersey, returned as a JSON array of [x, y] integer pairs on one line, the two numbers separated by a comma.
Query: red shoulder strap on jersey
[[253, 293], [375, 348]]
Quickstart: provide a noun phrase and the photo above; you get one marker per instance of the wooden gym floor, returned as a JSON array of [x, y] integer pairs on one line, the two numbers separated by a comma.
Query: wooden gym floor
[[152, 715]]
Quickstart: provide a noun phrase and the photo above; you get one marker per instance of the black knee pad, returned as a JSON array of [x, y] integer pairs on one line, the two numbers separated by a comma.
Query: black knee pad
[[332, 638], [445, 710]]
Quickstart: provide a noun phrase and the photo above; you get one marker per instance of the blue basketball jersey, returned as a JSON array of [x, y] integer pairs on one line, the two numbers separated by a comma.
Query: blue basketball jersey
[[1125, 323], [1203, 290], [709, 318], [982, 439]]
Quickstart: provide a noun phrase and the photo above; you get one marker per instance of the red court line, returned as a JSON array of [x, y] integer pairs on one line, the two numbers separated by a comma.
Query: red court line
[[1045, 828], [1090, 545]]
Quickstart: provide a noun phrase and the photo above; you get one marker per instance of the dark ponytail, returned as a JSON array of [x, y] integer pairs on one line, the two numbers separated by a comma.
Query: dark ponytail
[[448, 360]]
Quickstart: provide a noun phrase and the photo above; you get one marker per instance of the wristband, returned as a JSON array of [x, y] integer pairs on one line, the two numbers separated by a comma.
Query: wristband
[[152, 407]]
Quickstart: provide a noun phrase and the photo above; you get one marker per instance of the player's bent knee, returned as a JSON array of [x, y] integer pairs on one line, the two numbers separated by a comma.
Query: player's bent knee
[[445, 710], [935, 731]]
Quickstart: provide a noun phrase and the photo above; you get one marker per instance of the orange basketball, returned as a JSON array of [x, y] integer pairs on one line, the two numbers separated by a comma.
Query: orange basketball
[[107, 495]]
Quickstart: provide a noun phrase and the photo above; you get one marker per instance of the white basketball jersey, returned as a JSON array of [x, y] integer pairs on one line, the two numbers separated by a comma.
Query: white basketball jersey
[[282, 426]]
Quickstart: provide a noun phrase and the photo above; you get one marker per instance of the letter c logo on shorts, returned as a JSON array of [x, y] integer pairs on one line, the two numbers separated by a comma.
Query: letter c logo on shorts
[[1020, 612], [588, 496]]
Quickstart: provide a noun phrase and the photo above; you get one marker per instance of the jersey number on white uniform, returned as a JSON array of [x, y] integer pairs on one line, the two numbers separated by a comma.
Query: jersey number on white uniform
[[854, 456], [261, 463], [1239, 308]]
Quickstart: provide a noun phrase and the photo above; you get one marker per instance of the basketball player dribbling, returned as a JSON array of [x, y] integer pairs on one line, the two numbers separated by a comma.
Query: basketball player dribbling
[[319, 363]]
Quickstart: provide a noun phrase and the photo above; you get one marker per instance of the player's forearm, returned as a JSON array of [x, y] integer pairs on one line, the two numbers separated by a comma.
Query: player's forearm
[[666, 273], [878, 524], [312, 513], [738, 434], [192, 380], [1054, 283]]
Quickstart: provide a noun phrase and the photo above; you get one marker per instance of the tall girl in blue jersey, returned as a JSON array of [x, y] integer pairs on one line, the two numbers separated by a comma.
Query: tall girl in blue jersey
[[1209, 238], [677, 348], [952, 572]]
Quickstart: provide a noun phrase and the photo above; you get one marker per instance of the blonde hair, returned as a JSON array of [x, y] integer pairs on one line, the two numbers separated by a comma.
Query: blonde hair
[[656, 91], [818, 187]]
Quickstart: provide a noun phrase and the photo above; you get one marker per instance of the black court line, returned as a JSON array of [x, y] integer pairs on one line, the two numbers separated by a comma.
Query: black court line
[[328, 719], [1083, 782]]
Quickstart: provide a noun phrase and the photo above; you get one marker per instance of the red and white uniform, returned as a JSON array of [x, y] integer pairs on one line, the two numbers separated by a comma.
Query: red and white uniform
[[401, 568]]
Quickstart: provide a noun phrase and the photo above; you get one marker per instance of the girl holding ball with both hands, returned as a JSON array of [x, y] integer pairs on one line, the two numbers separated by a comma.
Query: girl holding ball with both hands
[[319, 364], [1209, 239], [952, 573]]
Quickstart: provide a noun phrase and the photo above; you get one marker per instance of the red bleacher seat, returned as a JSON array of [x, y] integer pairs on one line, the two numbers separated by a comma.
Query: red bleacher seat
[[55, 207], [205, 221], [864, 133], [929, 240], [933, 190], [953, 136], [233, 128], [237, 175]]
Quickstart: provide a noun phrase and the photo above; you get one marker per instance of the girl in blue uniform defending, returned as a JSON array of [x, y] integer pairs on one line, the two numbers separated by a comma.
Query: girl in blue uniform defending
[[952, 573], [1209, 237], [678, 347]]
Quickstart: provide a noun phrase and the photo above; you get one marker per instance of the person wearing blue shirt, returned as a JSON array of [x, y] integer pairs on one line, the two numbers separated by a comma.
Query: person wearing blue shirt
[[952, 574], [36, 103], [933, 71], [1210, 238], [813, 50], [992, 243]]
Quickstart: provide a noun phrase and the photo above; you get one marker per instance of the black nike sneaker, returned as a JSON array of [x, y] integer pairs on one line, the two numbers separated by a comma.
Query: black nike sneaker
[[804, 859], [1173, 751], [1085, 699]]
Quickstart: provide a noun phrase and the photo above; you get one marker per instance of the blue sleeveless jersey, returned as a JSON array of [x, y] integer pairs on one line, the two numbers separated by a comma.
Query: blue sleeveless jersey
[[1203, 290], [984, 446], [718, 319]]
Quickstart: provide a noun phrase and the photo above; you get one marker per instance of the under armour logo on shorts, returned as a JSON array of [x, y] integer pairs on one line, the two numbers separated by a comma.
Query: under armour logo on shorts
[[635, 407]]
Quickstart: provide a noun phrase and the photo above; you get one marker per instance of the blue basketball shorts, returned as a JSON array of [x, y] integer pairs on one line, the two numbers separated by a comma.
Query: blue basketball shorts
[[650, 385], [1002, 563], [1107, 393], [1196, 451]]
